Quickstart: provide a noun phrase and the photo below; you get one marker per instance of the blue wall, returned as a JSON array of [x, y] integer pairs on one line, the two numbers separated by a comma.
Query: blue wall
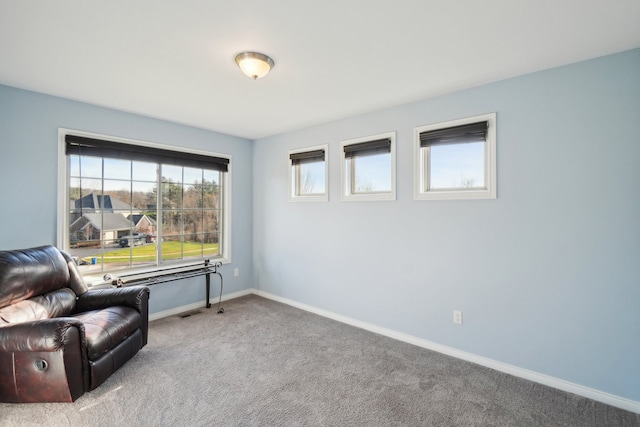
[[547, 275], [29, 125]]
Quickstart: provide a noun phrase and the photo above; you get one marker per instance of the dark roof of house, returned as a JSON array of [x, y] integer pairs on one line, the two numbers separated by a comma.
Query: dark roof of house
[[97, 202], [136, 218], [110, 221]]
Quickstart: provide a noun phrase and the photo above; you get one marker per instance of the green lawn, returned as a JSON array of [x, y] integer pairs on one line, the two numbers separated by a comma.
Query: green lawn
[[170, 250]]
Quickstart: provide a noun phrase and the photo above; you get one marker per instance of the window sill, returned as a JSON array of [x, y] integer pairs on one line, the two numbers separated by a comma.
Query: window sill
[[456, 195], [372, 197]]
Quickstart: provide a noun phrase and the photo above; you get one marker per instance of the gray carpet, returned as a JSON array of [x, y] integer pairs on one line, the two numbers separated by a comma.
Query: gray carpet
[[262, 363]]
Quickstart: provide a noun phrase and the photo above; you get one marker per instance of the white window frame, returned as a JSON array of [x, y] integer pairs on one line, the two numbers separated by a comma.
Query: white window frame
[[346, 181], [421, 168], [294, 177], [63, 204]]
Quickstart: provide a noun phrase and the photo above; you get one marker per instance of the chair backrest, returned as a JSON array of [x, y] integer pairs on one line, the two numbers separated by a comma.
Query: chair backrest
[[27, 273]]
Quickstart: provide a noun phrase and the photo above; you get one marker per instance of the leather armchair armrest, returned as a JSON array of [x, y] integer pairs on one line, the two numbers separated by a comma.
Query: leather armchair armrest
[[40, 335], [133, 296], [43, 361], [136, 297]]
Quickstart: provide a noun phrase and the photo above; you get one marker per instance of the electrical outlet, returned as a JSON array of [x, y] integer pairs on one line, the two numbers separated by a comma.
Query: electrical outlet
[[236, 272], [457, 317]]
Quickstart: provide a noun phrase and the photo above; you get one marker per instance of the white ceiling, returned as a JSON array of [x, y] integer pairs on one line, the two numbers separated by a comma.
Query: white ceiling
[[174, 60]]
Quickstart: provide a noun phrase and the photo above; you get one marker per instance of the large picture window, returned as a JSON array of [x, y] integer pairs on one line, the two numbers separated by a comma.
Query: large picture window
[[132, 205]]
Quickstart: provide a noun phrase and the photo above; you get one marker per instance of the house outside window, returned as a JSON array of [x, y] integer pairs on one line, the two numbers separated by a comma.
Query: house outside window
[[130, 205]]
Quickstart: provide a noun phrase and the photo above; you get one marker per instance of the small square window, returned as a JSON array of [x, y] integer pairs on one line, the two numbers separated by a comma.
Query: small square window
[[456, 159], [368, 168], [309, 175]]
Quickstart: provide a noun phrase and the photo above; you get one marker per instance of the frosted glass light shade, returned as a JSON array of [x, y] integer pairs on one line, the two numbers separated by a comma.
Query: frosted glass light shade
[[254, 65]]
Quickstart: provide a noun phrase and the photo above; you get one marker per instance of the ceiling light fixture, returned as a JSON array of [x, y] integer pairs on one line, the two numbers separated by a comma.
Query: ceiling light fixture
[[254, 64]]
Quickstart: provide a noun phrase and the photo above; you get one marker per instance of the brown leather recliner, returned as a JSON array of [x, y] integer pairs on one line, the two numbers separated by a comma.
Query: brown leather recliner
[[59, 339]]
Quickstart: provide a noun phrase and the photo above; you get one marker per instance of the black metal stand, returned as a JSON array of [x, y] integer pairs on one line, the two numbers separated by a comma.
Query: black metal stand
[[208, 283], [178, 273]]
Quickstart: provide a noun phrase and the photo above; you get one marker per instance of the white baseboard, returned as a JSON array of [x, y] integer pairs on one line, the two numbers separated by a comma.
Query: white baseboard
[[609, 399], [196, 305]]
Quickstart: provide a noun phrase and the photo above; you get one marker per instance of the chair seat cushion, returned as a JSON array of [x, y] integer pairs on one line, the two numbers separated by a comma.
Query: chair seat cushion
[[107, 327]]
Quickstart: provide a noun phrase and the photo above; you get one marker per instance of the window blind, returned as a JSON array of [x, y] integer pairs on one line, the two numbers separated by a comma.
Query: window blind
[[368, 148], [84, 146], [472, 132], [307, 157]]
